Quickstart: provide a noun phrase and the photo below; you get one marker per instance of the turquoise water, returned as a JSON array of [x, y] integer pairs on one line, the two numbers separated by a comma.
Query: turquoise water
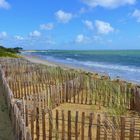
[[125, 64]]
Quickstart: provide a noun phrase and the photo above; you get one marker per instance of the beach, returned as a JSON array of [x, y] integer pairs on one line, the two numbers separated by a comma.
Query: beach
[[51, 62], [44, 98], [70, 70], [124, 64], [35, 59]]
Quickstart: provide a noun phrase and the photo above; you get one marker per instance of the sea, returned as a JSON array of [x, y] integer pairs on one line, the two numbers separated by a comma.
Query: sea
[[123, 64]]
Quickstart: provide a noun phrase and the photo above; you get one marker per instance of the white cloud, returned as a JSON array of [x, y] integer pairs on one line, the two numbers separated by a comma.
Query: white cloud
[[82, 10], [63, 17], [19, 37], [50, 41], [3, 34], [48, 26], [97, 38], [35, 34], [4, 4], [82, 39], [88, 24], [108, 3], [136, 14], [103, 27]]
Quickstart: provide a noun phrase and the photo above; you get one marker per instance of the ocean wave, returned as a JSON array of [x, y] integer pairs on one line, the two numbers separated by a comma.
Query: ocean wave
[[110, 66], [100, 65], [127, 68], [103, 65], [69, 59]]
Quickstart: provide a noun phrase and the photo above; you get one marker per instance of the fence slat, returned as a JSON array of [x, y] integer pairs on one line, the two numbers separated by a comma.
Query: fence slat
[[57, 125], [113, 128], [132, 129], [90, 127], [43, 125], [76, 126], [122, 136], [50, 126], [32, 125], [98, 127], [37, 124], [69, 125], [63, 125], [82, 126], [26, 110]]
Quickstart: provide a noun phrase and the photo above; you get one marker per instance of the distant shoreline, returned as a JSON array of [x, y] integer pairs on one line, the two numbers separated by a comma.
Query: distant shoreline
[[35, 59]]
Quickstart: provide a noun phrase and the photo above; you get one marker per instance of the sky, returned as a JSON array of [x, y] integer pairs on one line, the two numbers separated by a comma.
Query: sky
[[70, 24]]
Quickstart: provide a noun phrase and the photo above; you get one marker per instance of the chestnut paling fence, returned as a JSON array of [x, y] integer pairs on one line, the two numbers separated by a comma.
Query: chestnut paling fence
[[33, 91], [80, 125], [20, 130]]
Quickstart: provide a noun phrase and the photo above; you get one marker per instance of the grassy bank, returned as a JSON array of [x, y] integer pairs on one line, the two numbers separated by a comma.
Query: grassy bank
[[9, 52]]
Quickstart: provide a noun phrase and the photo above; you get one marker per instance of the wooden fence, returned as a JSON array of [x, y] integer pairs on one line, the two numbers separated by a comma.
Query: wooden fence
[[73, 92], [70, 125], [33, 92], [20, 130]]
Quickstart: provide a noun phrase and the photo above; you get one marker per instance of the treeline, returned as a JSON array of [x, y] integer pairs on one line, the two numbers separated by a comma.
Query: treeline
[[9, 52], [12, 50]]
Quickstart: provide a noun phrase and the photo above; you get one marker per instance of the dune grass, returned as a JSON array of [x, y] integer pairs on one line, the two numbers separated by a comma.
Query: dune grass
[[8, 53]]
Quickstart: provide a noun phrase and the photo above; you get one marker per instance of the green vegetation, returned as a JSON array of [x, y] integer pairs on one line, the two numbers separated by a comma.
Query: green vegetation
[[9, 52]]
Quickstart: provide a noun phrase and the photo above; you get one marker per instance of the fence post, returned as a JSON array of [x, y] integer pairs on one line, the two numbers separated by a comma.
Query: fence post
[[63, 126], [106, 127], [90, 127], [82, 126], [132, 102], [28, 136], [122, 128], [37, 123], [32, 124], [137, 99], [98, 127], [57, 125], [43, 125], [139, 134], [113, 129], [26, 110], [50, 126], [69, 125], [76, 126], [132, 129]]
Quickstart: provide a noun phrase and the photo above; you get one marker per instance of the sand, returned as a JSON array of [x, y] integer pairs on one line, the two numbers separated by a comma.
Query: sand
[[66, 66], [38, 60]]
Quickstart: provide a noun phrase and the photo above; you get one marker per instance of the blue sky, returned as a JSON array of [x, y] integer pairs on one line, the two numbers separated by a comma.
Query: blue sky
[[70, 24]]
